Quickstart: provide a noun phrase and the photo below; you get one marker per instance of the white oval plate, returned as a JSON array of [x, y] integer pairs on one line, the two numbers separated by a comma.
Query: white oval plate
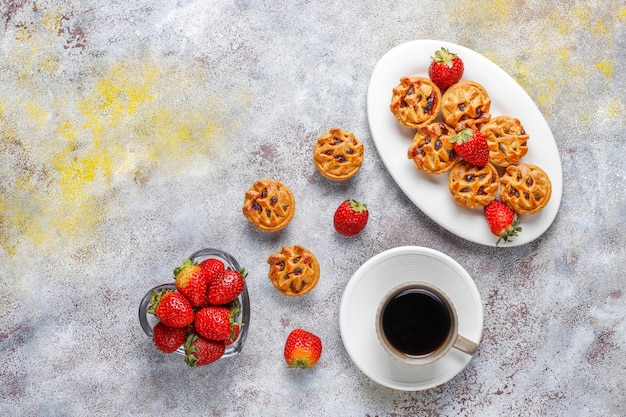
[[364, 292], [430, 192]]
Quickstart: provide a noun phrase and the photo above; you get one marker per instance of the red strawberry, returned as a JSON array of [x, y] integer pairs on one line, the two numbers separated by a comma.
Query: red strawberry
[[200, 351], [171, 308], [472, 146], [502, 221], [212, 267], [350, 217], [234, 335], [191, 281], [302, 349], [215, 322], [226, 287], [168, 339], [445, 69]]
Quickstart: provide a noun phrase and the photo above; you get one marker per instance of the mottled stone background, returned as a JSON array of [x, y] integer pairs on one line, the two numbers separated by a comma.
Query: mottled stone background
[[130, 130]]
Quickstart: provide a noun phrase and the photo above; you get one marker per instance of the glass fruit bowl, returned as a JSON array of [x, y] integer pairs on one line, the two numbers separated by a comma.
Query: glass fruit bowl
[[148, 321]]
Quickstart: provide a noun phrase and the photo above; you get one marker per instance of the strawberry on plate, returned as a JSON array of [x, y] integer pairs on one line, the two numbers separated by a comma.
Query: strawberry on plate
[[446, 68], [503, 222], [200, 351], [472, 146], [302, 349], [171, 308], [350, 217], [191, 281], [168, 339], [226, 286]]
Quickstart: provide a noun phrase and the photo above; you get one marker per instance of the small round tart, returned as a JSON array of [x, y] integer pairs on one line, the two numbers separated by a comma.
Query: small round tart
[[466, 104], [294, 270], [473, 186], [338, 154], [269, 205], [507, 140], [431, 150], [415, 101], [525, 188]]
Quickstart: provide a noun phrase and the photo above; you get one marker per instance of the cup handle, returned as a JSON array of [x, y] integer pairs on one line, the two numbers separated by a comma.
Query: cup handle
[[465, 345]]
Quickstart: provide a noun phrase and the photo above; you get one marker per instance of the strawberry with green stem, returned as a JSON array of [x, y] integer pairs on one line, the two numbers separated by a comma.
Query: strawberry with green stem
[[472, 146], [216, 322], [446, 68], [171, 308], [503, 222], [200, 351], [192, 282], [350, 217]]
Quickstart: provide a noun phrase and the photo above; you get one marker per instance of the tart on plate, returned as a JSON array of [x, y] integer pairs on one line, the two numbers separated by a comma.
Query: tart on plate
[[473, 186], [507, 140], [466, 104], [525, 188], [416, 101], [431, 150]]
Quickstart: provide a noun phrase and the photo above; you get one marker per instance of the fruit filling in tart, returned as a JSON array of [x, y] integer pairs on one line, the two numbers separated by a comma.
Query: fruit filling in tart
[[473, 186], [294, 270], [269, 205], [507, 140], [466, 104], [415, 101], [525, 188], [338, 155], [431, 150]]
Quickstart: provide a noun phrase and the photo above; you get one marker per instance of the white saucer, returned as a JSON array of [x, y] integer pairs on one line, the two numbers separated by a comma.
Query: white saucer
[[372, 281]]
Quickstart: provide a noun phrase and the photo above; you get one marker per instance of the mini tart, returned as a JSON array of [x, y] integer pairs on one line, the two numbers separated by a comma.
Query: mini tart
[[338, 155], [269, 205], [294, 270], [466, 104], [415, 101], [473, 186], [525, 188], [431, 150], [507, 140]]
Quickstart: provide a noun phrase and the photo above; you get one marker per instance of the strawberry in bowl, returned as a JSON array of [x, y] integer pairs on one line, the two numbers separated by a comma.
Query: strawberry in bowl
[[168, 312]]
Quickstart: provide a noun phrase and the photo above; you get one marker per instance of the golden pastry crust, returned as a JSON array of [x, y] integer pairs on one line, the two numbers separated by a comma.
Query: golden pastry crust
[[473, 186], [466, 104], [507, 140], [415, 101], [525, 188], [431, 150], [338, 155], [269, 205], [294, 270]]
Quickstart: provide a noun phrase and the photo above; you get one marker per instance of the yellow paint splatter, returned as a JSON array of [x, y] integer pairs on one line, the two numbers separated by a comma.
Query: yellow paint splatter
[[137, 116], [489, 14], [615, 109], [606, 68]]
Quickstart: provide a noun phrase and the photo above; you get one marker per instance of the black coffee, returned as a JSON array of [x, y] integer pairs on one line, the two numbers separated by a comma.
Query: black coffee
[[416, 322]]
